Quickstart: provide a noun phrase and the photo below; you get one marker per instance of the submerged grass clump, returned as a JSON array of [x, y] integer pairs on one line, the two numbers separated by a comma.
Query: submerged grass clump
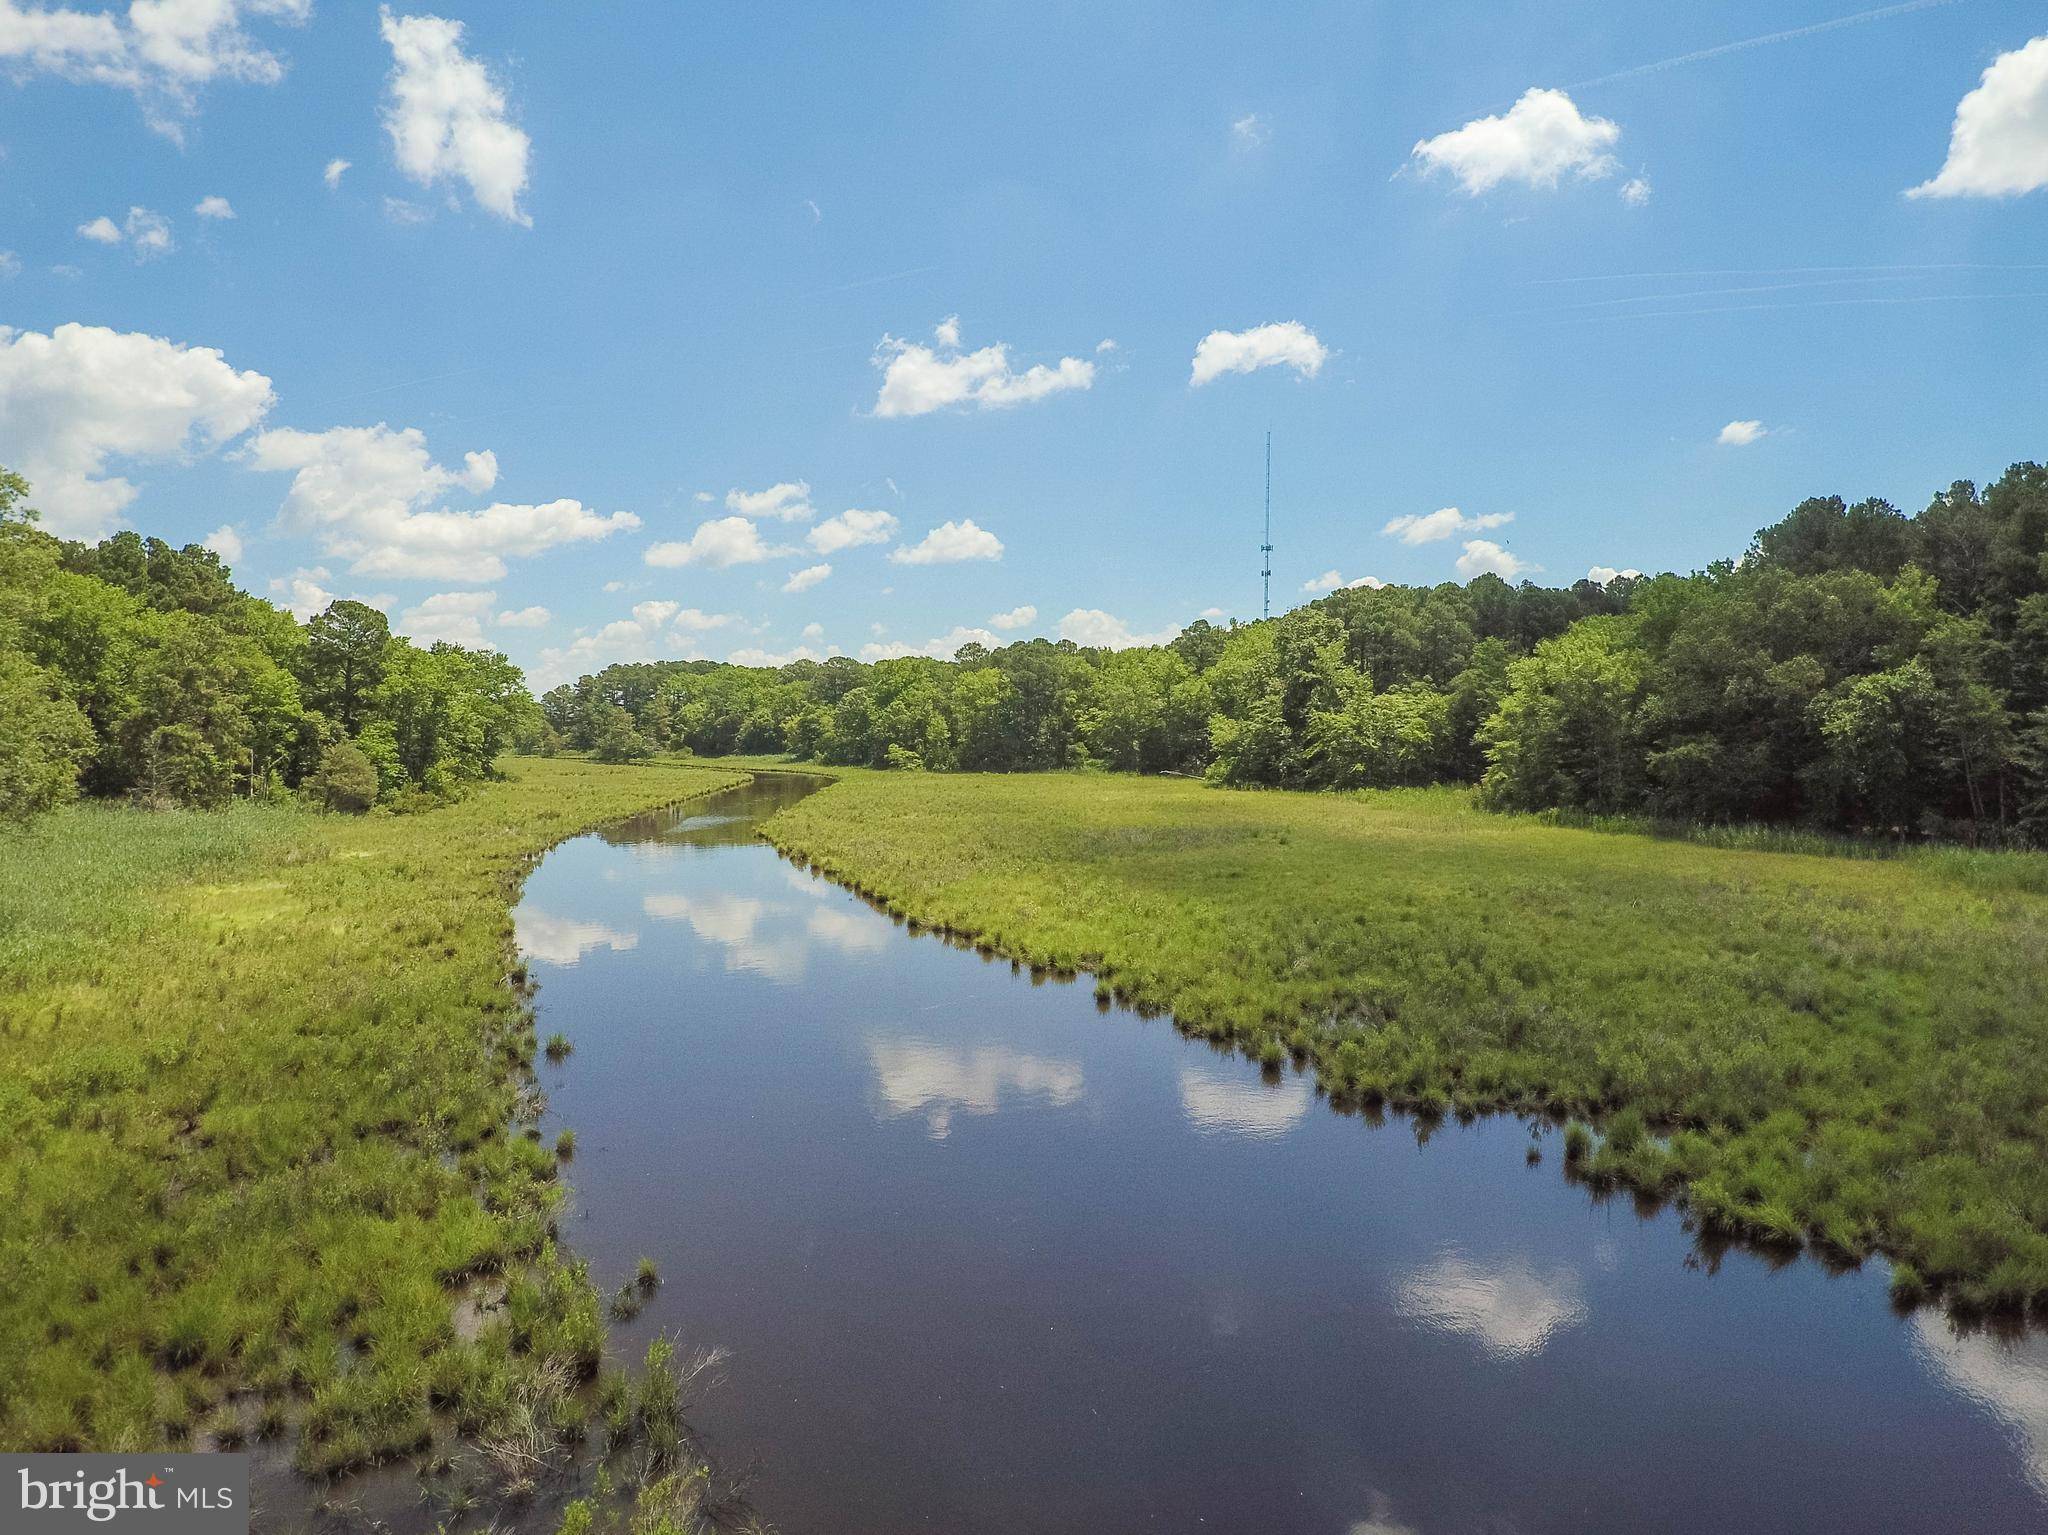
[[257, 1069], [1809, 1048]]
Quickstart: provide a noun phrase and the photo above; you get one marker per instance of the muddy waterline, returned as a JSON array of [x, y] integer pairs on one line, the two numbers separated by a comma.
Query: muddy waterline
[[987, 1258]]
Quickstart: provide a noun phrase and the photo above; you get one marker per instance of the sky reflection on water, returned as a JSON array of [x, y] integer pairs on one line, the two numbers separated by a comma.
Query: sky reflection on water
[[1509, 1307], [987, 1259], [1226, 1099], [918, 1077], [557, 940]]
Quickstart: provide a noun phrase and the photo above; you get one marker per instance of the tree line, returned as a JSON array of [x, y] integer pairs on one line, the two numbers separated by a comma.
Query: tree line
[[132, 668], [1857, 670]]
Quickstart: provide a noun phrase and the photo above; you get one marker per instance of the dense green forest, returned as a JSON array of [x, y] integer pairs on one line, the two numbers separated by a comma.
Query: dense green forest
[[1856, 669], [129, 667]]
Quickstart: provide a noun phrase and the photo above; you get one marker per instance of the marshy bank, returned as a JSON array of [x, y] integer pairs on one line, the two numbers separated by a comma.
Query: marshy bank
[[264, 1141], [987, 1258], [1819, 1050]]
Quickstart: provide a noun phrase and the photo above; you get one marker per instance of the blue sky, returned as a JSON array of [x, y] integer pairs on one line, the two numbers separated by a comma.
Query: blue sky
[[646, 263]]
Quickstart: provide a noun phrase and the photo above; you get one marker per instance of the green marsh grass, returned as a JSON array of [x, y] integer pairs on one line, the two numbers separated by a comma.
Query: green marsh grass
[[257, 1073], [1847, 1051]]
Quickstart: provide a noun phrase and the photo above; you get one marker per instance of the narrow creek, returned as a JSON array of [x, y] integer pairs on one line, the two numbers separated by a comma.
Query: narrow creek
[[989, 1258]]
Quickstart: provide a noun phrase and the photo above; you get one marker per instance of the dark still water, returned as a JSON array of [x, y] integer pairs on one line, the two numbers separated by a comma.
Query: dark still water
[[988, 1260]]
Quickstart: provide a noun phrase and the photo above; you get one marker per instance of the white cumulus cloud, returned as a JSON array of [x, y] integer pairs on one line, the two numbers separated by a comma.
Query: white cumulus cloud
[[788, 501], [754, 655], [1636, 191], [803, 580], [370, 495], [1288, 344], [850, 529], [302, 592], [225, 541], [82, 395], [535, 617], [950, 543], [1332, 581], [1016, 618], [654, 626], [718, 544], [1483, 556], [146, 233], [1445, 522], [456, 617], [943, 648], [214, 208], [447, 117], [918, 379], [1602, 575], [1093, 627], [1999, 144], [162, 51], [1740, 434], [336, 169], [1541, 139]]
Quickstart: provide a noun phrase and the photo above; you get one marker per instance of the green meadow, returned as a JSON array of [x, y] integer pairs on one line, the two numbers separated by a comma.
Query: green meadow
[[265, 1087], [1809, 1047], [264, 1144]]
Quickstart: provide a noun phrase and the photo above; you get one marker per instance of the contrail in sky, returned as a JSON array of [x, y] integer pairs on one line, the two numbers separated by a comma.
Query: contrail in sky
[[868, 282], [1823, 303], [1796, 271], [1769, 287], [1880, 14]]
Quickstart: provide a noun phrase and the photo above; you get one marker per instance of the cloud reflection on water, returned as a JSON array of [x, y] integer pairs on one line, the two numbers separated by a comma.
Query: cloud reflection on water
[[2007, 1378], [917, 1077], [852, 930], [732, 923], [1381, 1520], [564, 940], [1237, 1103], [1511, 1308]]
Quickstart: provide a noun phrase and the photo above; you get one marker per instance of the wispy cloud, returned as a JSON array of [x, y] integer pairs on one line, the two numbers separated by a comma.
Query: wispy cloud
[[1790, 34], [1791, 271], [1819, 303], [869, 282]]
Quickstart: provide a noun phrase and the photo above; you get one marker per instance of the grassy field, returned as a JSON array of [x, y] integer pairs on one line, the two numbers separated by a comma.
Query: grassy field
[[1847, 1051], [260, 1083]]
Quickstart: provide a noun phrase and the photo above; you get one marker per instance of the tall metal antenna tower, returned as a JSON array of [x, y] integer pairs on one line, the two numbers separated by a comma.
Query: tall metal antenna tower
[[1266, 548]]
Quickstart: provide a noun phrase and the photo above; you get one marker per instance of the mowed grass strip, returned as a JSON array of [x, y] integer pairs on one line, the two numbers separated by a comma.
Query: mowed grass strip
[[257, 1069], [1847, 1051]]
